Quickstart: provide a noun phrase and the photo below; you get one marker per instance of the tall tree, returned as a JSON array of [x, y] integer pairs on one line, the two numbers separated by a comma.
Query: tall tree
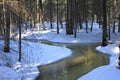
[[119, 23], [86, 14], [50, 11], [104, 39], [7, 31], [57, 19], [19, 22]]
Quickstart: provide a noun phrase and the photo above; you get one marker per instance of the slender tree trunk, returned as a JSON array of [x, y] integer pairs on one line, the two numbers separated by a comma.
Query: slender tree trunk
[[61, 23], [80, 21], [57, 19], [20, 54], [86, 22], [39, 11], [19, 20], [104, 39], [109, 25], [86, 15], [75, 18], [2, 24], [70, 27], [50, 9], [113, 17], [67, 18], [92, 23], [30, 17], [114, 26], [109, 36], [7, 31], [119, 23]]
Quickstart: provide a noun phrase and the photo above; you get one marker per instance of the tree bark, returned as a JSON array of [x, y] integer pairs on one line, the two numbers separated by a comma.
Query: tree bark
[[119, 23], [57, 19], [104, 36], [7, 31]]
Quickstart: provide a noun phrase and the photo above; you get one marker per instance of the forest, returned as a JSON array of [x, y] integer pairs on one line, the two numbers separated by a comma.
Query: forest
[[73, 12], [13, 13], [58, 39]]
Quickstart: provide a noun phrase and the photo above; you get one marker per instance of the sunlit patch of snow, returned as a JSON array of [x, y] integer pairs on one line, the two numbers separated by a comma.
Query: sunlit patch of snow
[[75, 40], [7, 73], [116, 50], [44, 31]]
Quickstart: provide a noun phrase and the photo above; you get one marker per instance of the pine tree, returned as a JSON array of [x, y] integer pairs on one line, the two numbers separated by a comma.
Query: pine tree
[[104, 39]]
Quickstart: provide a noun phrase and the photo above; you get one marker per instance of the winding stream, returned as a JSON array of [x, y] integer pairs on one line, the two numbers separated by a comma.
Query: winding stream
[[84, 59]]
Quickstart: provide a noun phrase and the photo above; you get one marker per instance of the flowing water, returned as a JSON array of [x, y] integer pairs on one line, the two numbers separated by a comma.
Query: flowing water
[[84, 59]]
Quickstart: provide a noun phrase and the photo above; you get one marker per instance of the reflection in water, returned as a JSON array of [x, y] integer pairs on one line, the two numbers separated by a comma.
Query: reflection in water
[[83, 60]]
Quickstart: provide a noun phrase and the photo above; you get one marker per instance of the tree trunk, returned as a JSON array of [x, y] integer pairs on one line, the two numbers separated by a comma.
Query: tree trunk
[[20, 55], [19, 25], [109, 25], [114, 26], [119, 23], [50, 9], [57, 19], [42, 15], [75, 17], [7, 31], [92, 23], [104, 39], [67, 18]]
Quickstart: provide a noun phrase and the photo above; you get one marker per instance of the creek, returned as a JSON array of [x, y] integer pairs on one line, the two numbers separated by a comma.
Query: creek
[[84, 59]]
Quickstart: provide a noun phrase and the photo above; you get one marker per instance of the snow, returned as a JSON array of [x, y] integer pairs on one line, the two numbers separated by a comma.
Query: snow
[[7, 73], [36, 54], [108, 72], [33, 55], [103, 73], [82, 37]]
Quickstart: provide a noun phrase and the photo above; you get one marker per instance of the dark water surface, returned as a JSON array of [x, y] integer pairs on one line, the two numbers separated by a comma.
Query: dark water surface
[[84, 59]]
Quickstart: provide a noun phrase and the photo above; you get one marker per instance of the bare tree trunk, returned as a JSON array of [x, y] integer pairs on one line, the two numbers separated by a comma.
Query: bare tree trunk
[[104, 39], [119, 23], [50, 17], [7, 31], [2, 24], [42, 15], [86, 15], [19, 21], [109, 25], [19, 25], [92, 23], [114, 26], [57, 19], [67, 18]]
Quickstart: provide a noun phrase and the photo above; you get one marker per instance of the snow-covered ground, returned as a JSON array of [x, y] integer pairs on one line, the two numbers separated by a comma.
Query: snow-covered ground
[[82, 37], [34, 54]]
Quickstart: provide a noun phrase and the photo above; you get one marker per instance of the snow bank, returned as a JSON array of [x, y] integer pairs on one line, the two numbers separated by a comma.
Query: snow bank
[[108, 72], [7, 73], [33, 55]]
